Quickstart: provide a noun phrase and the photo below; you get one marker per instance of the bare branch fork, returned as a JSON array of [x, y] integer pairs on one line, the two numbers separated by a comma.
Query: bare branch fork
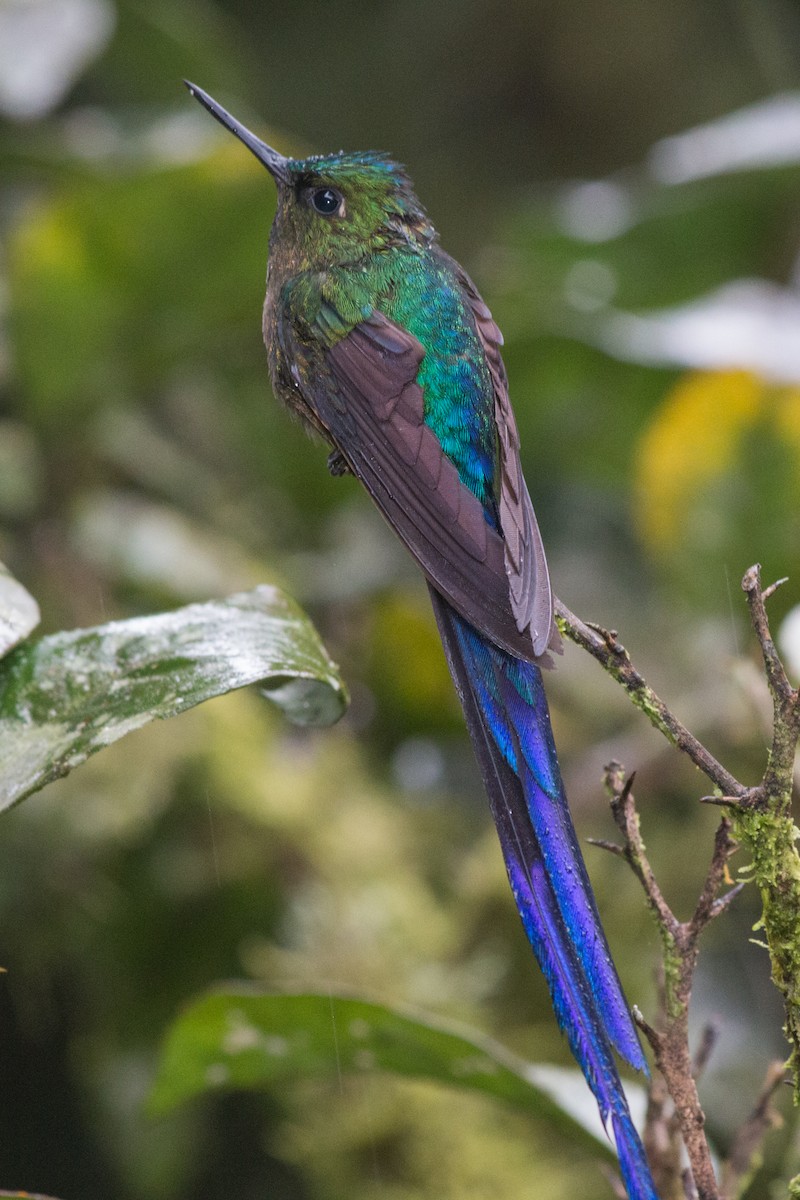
[[758, 817]]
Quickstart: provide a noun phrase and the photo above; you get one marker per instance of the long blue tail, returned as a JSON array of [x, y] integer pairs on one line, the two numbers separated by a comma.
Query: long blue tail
[[509, 723]]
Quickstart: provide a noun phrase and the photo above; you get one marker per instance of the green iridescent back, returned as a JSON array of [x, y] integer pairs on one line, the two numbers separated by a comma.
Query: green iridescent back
[[385, 256]]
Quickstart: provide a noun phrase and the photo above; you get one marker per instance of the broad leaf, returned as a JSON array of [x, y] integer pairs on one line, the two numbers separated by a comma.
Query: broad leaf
[[237, 1037], [19, 612], [68, 695]]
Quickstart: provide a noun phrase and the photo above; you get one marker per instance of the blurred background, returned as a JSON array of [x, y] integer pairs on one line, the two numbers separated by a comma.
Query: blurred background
[[622, 180]]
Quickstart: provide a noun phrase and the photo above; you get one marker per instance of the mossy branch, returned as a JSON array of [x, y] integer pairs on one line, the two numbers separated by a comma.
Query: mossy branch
[[759, 817], [763, 823]]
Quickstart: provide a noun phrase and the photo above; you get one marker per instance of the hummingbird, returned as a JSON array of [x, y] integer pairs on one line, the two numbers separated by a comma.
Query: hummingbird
[[381, 343]]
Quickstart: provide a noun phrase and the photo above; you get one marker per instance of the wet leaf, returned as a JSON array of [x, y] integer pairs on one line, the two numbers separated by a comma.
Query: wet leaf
[[19, 612], [237, 1037], [65, 697]]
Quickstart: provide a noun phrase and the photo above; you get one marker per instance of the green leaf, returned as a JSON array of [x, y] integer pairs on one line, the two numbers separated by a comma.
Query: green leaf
[[19, 612], [237, 1037], [68, 695]]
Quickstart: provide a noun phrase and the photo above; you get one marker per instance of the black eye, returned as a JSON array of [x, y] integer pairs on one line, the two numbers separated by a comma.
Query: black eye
[[326, 201]]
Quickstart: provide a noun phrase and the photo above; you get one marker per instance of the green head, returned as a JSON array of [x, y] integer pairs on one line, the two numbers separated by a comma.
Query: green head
[[333, 208]]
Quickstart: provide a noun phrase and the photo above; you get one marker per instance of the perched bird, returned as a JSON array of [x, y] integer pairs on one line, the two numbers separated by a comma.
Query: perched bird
[[383, 346]]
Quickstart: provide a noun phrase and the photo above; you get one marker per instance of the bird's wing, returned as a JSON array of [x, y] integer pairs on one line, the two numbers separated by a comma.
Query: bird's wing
[[368, 398], [525, 562]]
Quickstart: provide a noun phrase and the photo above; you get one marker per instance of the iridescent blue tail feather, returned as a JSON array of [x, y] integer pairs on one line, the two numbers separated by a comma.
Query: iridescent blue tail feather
[[508, 720]]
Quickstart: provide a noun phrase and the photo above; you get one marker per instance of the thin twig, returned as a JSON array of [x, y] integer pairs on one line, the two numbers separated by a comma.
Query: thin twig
[[756, 598], [724, 847], [689, 1190], [705, 1049], [776, 785], [626, 818], [744, 1157], [722, 904], [605, 646], [661, 1136], [611, 847]]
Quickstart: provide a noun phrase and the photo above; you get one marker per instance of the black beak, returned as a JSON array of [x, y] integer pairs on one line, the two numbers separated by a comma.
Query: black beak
[[276, 164]]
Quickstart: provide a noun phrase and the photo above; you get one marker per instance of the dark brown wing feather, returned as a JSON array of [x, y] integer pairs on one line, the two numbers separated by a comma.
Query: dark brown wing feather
[[373, 410], [525, 562]]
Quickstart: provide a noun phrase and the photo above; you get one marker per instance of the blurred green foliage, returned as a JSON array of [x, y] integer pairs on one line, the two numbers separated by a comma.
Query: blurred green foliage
[[144, 465]]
